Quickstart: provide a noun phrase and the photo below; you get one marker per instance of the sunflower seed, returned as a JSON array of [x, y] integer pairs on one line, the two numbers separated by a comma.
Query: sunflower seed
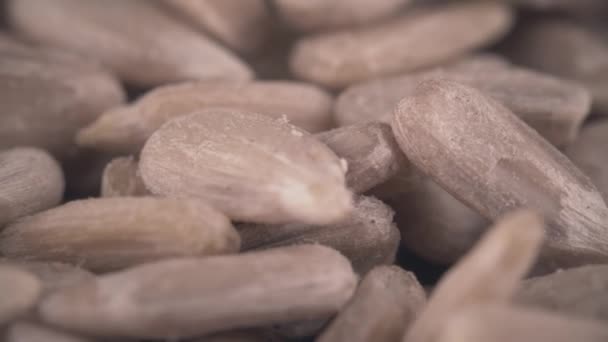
[[20, 291], [385, 303], [342, 58], [241, 25], [315, 15], [370, 150], [252, 167], [578, 291], [32, 332], [121, 178], [30, 181], [48, 95], [488, 274], [588, 153], [188, 297], [119, 34], [564, 48], [435, 225], [367, 237], [504, 324], [554, 107], [114, 233], [485, 156], [126, 129]]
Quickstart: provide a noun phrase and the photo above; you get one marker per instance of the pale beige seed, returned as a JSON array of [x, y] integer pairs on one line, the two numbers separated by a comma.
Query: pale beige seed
[[488, 274], [368, 237], [385, 303], [114, 233], [19, 292], [34, 332], [588, 152], [404, 44], [434, 225], [126, 129], [370, 150], [506, 324], [48, 95], [121, 178], [554, 107], [30, 181], [316, 15], [485, 156], [250, 166], [52, 275], [301, 329], [193, 297], [136, 39], [242, 25], [577, 292], [567, 49]]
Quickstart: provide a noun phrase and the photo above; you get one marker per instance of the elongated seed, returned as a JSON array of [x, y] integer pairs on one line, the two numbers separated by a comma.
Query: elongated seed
[[567, 49], [578, 291], [404, 44], [554, 107], [481, 153], [435, 225], [588, 153], [47, 95], [252, 167], [503, 324], [33, 332], [385, 303], [20, 291], [30, 181], [370, 150], [114, 233], [118, 34], [126, 129], [488, 274], [121, 178], [188, 297], [367, 237], [315, 15], [241, 25]]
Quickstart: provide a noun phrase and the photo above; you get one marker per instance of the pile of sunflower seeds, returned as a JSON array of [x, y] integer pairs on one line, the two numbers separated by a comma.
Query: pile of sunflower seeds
[[303, 170]]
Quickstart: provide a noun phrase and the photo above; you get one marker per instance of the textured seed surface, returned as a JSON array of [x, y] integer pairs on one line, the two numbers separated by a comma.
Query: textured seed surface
[[52, 275], [566, 49], [370, 150], [578, 291], [485, 156], [199, 296], [33, 332], [20, 291], [554, 107], [250, 166], [588, 152], [30, 181], [241, 25], [488, 274], [504, 324], [114, 233], [341, 58], [121, 178], [385, 303], [367, 237], [48, 95], [315, 15], [118, 33], [435, 225], [126, 129]]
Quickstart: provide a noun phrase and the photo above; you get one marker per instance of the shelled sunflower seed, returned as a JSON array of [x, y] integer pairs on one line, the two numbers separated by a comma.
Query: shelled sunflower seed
[[285, 170]]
